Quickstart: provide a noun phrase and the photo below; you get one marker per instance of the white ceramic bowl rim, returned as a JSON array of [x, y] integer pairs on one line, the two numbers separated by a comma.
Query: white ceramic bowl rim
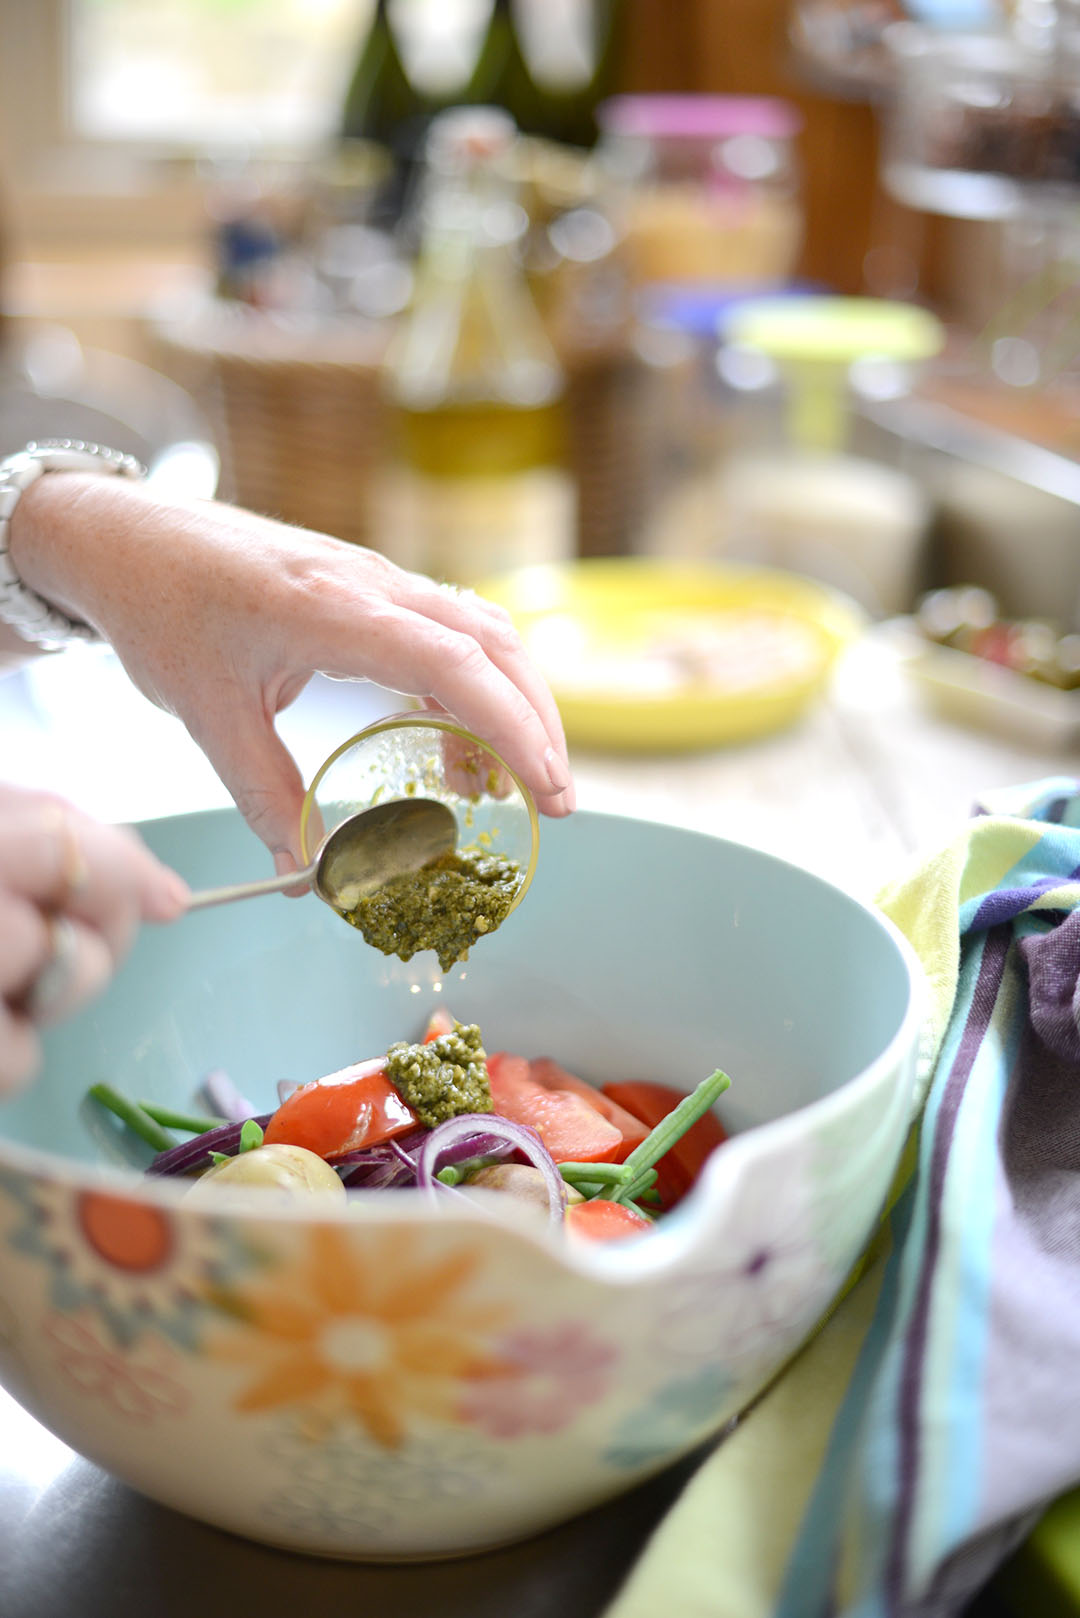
[[618, 1263]]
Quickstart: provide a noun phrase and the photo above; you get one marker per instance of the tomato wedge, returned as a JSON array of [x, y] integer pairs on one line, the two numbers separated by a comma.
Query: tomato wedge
[[342, 1112], [572, 1130], [440, 1022], [543, 1070], [600, 1221], [679, 1167]]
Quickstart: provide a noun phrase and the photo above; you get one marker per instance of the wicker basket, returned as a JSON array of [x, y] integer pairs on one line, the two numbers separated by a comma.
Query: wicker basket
[[296, 412], [301, 428]]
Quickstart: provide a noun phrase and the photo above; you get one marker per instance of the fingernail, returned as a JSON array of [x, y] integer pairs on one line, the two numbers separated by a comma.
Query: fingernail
[[284, 862], [172, 898], [558, 772], [179, 891]]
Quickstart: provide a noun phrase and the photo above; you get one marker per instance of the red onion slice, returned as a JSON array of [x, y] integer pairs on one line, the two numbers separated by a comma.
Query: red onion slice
[[385, 1167], [193, 1156], [455, 1130], [375, 1170], [225, 1099]]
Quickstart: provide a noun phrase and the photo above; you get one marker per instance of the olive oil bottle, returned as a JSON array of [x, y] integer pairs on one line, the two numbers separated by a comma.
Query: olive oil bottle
[[478, 481]]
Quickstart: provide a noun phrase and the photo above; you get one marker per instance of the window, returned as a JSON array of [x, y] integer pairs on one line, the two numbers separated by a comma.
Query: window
[[252, 72], [104, 103], [195, 72]]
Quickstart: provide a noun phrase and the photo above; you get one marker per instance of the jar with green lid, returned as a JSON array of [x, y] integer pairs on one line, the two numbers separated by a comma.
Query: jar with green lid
[[796, 491]]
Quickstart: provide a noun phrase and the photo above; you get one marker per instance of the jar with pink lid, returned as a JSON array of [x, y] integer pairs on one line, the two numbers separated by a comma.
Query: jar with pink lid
[[706, 186]]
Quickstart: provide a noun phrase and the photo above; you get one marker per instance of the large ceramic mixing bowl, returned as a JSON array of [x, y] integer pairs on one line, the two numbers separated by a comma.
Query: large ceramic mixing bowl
[[384, 1381]]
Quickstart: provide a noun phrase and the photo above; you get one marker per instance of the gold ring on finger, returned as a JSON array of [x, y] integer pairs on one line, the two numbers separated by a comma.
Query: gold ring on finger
[[74, 871]]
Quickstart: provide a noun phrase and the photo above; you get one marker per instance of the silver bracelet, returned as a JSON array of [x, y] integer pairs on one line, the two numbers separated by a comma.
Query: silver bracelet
[[37, 620]]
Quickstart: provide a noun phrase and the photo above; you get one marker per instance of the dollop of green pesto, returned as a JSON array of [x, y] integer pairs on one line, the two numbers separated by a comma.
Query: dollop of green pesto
[[446, 905], [443, 1077]]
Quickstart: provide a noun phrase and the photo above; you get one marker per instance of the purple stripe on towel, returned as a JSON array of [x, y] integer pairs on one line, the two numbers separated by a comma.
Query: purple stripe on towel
[[1005, 904], [983, 1000]]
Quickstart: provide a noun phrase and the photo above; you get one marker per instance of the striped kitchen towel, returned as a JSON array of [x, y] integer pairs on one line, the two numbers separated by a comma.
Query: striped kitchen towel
[[918, 1436]]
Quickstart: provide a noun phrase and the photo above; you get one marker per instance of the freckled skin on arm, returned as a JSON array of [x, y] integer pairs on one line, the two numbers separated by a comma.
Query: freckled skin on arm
[[221, 617]]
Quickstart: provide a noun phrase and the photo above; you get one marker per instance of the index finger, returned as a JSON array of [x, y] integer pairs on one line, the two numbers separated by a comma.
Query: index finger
[[408, 652], [103, 875], [494, 628]]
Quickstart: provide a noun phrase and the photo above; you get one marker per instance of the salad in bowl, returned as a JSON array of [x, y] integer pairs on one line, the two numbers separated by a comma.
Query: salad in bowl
[[443, 1116], [404, 1358]]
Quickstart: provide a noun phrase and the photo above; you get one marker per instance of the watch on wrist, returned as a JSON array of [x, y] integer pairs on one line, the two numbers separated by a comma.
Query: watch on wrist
[[39, 621]]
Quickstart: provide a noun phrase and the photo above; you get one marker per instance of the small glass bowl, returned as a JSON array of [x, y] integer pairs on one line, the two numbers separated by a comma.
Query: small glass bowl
[[422, 755]]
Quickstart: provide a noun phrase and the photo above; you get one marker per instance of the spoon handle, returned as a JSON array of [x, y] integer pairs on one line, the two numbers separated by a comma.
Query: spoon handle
[[249, 890]]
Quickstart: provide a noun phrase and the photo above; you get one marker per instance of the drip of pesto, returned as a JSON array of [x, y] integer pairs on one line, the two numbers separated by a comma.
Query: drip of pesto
[[443, 1077], [446, 905]]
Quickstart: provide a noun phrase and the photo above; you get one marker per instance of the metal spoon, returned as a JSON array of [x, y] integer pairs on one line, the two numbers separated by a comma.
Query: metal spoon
[[359, 855]]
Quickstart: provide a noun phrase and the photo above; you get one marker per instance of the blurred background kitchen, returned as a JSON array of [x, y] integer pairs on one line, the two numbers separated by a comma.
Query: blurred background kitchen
[[496, 283], [595, 303]]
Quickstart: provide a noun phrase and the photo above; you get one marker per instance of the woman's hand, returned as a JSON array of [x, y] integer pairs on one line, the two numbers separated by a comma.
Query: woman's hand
[[221, 617], [72, 895]]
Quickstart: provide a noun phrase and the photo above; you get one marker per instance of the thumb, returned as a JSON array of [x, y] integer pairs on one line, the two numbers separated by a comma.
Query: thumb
[[261, 774]]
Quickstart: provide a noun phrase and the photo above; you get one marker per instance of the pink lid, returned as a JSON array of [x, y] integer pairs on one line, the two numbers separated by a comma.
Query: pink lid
[[699, 117]]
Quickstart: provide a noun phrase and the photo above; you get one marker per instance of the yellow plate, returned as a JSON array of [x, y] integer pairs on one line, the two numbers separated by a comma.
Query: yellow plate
[[665, 657]]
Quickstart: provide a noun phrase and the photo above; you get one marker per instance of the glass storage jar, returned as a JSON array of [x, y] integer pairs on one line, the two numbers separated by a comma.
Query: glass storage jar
[[707, 186], [985, 125]]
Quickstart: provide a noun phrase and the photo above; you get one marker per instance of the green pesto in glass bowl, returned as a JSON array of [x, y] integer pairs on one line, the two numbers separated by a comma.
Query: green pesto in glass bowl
[[465, 893]]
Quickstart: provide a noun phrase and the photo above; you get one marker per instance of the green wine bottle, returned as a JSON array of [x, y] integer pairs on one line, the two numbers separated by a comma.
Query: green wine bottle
[[501, 77], [381, 101], [569, 112], [382, 105]]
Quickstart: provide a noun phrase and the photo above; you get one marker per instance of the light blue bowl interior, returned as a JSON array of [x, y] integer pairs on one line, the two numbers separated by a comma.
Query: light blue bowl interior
[[641, 951]]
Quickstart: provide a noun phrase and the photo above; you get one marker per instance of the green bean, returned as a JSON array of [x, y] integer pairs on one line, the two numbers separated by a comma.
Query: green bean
[[605, 1173], [634, 1188], [642, 1186], [590, 1188], [455, 1173], [669, 1130], [608, 1180], [136, 1117], [180, 1120]]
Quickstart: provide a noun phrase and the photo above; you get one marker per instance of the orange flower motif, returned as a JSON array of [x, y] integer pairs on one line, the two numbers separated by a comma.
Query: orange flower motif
[[381, 1338]]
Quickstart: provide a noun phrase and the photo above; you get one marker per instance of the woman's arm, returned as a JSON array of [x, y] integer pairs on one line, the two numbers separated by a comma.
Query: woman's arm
[[221, 617]]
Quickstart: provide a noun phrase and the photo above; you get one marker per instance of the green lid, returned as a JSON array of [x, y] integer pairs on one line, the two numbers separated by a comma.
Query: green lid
[[836, 330], [815, 339]]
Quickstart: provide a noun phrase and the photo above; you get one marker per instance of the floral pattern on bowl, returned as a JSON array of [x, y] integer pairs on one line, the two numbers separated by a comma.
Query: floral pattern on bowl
[[380, 1383]]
